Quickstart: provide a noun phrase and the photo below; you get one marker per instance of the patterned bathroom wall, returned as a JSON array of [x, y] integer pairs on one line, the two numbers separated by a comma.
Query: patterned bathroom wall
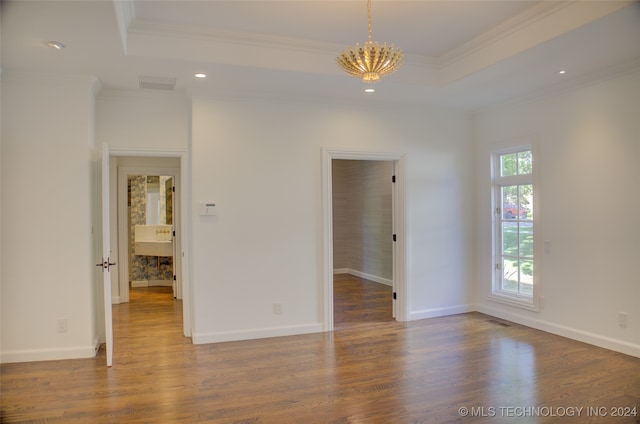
[[166, 205], [168, 198], [144, 267]]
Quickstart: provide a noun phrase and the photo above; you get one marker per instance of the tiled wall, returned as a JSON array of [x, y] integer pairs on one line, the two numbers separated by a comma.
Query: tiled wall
[[362, 217], [144, 268]]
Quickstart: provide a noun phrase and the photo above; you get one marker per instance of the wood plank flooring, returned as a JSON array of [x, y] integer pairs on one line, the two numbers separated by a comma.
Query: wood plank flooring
[[358, 301], [374, 370]]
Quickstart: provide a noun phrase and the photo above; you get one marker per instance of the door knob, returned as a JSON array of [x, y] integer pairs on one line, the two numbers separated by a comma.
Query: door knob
[[106, 264]]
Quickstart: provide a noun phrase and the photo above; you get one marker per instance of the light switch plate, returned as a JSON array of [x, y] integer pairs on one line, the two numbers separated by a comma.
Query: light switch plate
[[208, 208]]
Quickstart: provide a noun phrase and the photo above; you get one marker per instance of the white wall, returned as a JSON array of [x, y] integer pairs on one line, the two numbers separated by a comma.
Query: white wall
[[139, 120], [260, 162], [589, 178], [48, 259]]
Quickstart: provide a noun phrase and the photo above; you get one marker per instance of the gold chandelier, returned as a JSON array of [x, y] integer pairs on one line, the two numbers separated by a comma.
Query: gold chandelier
[[372, 60]]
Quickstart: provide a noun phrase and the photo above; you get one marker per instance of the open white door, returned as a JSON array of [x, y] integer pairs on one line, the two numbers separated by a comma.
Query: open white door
[[106, 255]]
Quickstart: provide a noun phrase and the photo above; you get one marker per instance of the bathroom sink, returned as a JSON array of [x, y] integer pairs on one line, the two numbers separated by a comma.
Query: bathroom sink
[[153, 240], [153, 248]]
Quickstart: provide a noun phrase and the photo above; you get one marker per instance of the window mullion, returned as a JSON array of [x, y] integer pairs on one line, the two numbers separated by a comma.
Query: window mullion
[[513, 180]]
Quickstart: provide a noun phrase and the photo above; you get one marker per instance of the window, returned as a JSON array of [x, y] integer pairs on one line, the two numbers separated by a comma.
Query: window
[[513, 227]]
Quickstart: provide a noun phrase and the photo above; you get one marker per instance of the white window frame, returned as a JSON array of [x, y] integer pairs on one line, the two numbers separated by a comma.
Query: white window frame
[[497, 182]]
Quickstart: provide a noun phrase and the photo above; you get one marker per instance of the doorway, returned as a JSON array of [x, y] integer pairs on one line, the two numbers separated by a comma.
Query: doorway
[[148, 198], [397, 235], [151, 232], [172, 165], [362, 192]]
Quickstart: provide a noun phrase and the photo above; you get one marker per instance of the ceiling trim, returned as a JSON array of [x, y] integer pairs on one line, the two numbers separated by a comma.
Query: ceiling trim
[[239, 48], [125, 15], [149, 28], [501, 31], [529, 29]]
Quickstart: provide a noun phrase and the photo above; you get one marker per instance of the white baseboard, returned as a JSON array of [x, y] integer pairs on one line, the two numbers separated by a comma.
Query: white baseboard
[[561, 330], [32, 355], [440, 312], [364, 275], [152, 283], [163, 283], [258, 333]]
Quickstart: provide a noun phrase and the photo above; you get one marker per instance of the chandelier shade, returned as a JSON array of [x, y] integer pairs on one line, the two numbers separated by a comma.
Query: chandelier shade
[[372, 60]]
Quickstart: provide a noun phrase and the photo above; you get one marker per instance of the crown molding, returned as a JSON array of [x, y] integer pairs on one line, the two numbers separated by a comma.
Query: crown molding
[[501, 31], [534, 26], [125, 15], [179, 42], [253, 39]]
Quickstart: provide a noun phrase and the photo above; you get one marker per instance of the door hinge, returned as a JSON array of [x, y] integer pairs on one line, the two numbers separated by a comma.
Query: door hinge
[[498, 211], [498, 266], [395, 295], [174, 278], [394, 237], [393, 178], [173, 189], [174, 233]]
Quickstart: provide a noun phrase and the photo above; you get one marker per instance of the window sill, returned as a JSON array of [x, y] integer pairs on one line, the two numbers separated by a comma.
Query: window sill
[[528, 303]]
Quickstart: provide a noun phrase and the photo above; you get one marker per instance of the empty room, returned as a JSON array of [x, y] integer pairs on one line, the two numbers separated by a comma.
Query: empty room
[[319, 211]]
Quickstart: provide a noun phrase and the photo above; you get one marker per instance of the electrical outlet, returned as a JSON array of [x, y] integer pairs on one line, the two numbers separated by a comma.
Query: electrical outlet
[[277, 308], [623, 319], [63, 325]]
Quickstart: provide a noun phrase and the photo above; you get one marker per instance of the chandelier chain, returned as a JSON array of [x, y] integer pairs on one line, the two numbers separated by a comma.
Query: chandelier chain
[[369, 19]]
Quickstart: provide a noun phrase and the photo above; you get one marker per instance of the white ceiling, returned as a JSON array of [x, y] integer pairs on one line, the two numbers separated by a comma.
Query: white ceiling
[[459, 54]]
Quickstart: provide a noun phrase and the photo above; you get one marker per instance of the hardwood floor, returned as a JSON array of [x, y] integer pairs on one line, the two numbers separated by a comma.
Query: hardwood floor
[[375, 370], [358, 301]]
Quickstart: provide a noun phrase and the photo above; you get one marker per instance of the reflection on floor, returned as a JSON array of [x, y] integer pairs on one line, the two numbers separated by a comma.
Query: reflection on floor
[[359, 301]]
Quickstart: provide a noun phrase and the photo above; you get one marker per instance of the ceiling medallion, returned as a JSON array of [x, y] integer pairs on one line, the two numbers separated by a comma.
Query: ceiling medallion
[[372, 60]]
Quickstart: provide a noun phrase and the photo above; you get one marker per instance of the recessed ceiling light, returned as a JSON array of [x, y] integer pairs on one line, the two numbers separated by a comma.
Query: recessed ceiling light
[[562, 72], [200, 75], [369, 90], [55, 45]]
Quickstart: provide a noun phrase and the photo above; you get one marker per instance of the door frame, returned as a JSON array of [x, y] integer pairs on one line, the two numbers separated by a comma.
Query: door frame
[[105, 264], [399, 228], [123, 224], [184, 218]]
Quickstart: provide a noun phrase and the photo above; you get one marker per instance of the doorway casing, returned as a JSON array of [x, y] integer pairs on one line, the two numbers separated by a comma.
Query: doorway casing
[[399, 246], [183, 217]]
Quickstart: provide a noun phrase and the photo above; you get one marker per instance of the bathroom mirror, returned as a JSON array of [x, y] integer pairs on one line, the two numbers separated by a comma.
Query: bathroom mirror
[[151, 199], [159, 200]]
